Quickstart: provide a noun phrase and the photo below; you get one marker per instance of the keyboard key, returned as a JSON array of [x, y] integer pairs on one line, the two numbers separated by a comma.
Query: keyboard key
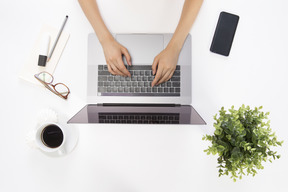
[[175, 84], [177, 90], [102, 78], [147, 73], [175, 79], [136, 73], [147, 84], [139, 67], [143, 90], [100, 67], [102, 89], [176, 73], [103, 73], [144, 78], [110, 78], [141, 84], [120, 89], [100, 83], [137, 90], [117, 78]]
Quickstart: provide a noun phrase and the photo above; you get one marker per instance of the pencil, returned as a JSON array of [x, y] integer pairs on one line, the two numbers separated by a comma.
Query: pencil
[[58, 36]]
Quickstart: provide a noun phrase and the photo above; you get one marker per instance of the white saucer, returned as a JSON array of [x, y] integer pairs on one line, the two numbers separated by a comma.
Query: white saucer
[[71, 131]]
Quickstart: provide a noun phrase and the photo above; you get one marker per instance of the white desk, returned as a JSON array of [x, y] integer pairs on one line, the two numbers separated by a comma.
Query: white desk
[[142, 158]]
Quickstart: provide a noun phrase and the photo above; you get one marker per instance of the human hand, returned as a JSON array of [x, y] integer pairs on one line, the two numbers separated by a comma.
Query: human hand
[[164, 65], [113, 54]]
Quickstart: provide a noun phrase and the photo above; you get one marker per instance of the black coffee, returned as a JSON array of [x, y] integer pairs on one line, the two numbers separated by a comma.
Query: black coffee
[[52, 136]]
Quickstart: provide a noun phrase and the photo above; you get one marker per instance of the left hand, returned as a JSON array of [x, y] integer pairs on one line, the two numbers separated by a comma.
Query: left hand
[[164, 65]]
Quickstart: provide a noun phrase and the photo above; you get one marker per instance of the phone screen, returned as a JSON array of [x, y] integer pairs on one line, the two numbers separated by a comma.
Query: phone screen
[[224, 33]]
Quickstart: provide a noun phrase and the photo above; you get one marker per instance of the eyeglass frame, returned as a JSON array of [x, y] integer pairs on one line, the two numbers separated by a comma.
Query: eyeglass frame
[[53, 85]]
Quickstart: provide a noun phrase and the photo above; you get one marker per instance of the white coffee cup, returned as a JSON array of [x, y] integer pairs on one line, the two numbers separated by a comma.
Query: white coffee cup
[[46, 147]]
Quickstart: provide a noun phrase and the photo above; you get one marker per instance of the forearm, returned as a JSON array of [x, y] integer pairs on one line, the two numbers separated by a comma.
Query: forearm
[[90, 8], [189, 13]]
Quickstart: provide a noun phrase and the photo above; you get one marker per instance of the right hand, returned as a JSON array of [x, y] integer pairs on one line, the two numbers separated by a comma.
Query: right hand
[[113, 54]]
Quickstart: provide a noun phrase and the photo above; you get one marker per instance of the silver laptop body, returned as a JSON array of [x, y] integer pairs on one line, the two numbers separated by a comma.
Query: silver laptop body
[[142, 49]]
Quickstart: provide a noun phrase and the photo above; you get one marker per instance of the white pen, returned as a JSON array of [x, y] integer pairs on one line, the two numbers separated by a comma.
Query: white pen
[[58, 36]]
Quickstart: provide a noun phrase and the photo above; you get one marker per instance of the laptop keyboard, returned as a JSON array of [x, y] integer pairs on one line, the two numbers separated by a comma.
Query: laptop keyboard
[[139, 118], [139, 84]]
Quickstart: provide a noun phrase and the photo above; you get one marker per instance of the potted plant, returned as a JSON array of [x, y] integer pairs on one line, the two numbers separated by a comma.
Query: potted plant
[[243, 140]]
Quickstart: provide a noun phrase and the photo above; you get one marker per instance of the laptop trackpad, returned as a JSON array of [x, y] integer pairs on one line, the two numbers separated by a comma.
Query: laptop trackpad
[[142, 47]]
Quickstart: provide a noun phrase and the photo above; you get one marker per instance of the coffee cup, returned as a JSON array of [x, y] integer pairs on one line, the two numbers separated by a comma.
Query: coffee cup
[[50, 137]]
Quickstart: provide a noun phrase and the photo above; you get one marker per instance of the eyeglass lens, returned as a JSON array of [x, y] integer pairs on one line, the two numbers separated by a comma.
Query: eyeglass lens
[[45, 77]]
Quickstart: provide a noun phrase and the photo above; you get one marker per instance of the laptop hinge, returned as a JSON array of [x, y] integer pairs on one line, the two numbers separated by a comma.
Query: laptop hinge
[[140, 104]]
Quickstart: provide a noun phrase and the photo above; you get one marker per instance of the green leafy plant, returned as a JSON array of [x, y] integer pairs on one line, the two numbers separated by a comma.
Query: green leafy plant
[[243, 140]]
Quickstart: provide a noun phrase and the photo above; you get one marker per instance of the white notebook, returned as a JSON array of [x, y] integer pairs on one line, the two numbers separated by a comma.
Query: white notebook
[[31, 67]]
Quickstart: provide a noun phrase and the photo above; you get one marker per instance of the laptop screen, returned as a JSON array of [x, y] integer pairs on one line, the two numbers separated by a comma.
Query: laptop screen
[[138, 114]]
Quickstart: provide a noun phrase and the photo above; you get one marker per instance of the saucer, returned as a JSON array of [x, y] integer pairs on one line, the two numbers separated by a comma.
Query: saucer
[[71, 133]]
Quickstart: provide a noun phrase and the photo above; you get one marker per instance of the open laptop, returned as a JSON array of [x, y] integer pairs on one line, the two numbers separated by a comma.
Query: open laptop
[[116, 99]]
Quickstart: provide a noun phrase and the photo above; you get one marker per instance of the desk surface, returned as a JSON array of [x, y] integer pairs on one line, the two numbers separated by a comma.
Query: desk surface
[[140, 157]]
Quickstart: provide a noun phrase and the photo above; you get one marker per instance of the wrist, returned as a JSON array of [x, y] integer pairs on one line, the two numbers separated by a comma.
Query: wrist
[[175, 46], [106, 38]]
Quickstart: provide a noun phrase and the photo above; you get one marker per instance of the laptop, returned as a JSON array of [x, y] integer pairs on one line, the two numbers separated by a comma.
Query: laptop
[[132, 100]]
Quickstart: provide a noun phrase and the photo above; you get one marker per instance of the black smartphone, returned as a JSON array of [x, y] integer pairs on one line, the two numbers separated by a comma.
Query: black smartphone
[[224, 33]]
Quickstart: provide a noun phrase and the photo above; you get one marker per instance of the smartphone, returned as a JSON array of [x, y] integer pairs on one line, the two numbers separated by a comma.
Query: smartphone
[[224, 33]]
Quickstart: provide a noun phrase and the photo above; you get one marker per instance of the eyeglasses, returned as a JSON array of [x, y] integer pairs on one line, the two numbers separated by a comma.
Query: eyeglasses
[[59, 89]]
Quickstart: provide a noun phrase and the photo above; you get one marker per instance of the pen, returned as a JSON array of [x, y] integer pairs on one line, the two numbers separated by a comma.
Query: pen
[[58, 36]]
